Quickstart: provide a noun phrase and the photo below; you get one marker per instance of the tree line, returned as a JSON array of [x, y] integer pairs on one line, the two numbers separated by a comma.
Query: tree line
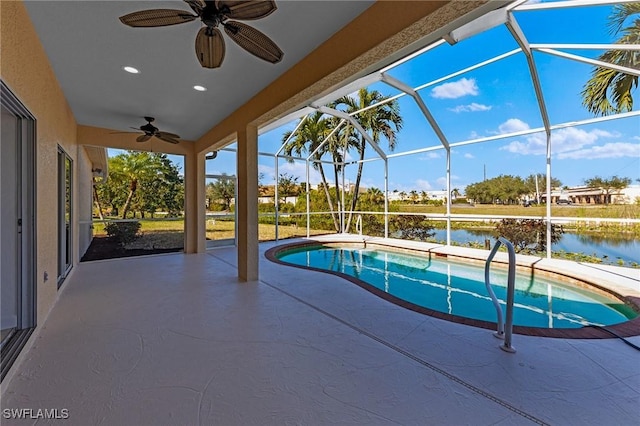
[[140, 183], [508, 189]]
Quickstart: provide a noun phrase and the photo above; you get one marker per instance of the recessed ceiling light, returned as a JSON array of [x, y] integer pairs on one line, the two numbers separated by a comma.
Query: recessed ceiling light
[[132, 70], [200, 88]]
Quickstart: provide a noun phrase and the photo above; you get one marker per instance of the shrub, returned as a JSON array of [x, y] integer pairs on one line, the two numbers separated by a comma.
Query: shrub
[[527, 235], [123, 232], [411, 227], [460, 200]]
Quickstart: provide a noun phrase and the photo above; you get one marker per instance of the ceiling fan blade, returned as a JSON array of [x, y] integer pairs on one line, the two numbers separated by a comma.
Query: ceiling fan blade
[[143, 138], [156, 18], [167, 135], [247, 10], [210, 47], [196, 5], [166, 138], [137, 128], [253, 41]]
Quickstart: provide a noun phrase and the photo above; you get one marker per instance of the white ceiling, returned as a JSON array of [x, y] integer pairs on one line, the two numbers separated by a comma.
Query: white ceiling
[[88, 46]]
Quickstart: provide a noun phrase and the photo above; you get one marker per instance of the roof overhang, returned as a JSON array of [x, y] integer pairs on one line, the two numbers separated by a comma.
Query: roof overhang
[[99, 161]]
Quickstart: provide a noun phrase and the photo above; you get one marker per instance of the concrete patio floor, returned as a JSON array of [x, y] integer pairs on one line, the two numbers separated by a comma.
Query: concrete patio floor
[[176, 340]]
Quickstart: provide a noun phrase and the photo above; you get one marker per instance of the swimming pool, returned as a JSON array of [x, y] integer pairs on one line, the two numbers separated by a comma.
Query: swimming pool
[[457, 289]]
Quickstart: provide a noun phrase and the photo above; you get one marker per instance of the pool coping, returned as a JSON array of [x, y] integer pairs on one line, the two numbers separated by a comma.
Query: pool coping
[[626, 292]]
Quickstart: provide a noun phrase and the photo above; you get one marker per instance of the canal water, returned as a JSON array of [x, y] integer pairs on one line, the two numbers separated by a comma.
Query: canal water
[[610, 250]]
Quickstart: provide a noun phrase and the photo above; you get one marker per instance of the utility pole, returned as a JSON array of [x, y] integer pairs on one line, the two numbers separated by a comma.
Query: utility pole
[[484, 173]]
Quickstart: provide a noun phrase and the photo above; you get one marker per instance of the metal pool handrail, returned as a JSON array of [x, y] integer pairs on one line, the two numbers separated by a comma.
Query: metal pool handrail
[[504, 329], [359, 224]]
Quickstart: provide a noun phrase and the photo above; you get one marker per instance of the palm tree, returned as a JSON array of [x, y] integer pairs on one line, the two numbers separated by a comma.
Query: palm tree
[[383, 121], [455, 193], [413, 194], [307, 139], [609, 91], [374, 197], [131, 168]]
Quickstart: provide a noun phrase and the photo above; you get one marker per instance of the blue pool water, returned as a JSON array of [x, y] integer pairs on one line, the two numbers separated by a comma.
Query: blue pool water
[[459, 289]]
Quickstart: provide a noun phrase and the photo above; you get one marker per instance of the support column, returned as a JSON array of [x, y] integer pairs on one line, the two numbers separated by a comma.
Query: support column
[[247, 203], [194, 203]]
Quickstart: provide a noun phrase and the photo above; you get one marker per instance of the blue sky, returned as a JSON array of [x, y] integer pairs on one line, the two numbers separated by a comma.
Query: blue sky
[[498, 98]]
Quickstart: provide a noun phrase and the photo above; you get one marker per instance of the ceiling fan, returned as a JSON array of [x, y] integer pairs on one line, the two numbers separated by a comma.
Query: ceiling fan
[[150, 130], [210, 47]]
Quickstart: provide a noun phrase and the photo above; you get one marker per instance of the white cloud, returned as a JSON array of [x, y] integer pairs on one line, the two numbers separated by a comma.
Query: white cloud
[[431, 155], [442, 181], [608, 150], [467, 155], [268, 173], [472, 107], [570, 143], [606, 134], [455, 89], [423, 185], [563, 140], [512, 125], [473, 135]]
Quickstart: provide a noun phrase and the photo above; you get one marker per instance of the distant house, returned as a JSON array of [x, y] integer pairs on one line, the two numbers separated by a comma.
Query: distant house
[[586, 195]]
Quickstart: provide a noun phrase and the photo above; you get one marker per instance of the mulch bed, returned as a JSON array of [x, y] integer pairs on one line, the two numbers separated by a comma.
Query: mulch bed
[[104, 248]]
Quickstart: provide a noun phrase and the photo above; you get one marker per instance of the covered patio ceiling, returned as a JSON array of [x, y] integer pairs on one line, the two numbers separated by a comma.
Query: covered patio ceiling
[[88, 47]]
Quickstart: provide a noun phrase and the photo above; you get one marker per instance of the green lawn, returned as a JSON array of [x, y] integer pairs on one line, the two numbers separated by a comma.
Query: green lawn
[[170, 233], [217, 230]]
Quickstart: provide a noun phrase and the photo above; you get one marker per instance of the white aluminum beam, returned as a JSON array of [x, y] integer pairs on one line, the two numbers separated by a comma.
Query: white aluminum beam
[[485, 22], [326, 139], [354, 122], [471, 68], [439, 80], [345, 90], [377, 104], [595, 62], [520, 38], [589, 46], [416, 151], [413, 55], [570, 3], [302, 120], [425, 111], [285, 119]]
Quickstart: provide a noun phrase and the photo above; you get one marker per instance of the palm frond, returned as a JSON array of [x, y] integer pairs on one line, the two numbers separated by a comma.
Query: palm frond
[[621, 12], [610, 91]]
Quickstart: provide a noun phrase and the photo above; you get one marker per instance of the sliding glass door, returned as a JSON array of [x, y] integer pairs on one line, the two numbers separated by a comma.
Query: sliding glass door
[[10, 229], [65, 187], [17, 227]]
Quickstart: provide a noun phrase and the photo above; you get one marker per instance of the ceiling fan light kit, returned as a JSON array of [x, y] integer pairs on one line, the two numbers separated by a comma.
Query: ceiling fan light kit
[[210, 45]]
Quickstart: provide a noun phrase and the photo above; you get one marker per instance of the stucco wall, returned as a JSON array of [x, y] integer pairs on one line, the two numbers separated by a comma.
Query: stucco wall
[[26, 71]]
